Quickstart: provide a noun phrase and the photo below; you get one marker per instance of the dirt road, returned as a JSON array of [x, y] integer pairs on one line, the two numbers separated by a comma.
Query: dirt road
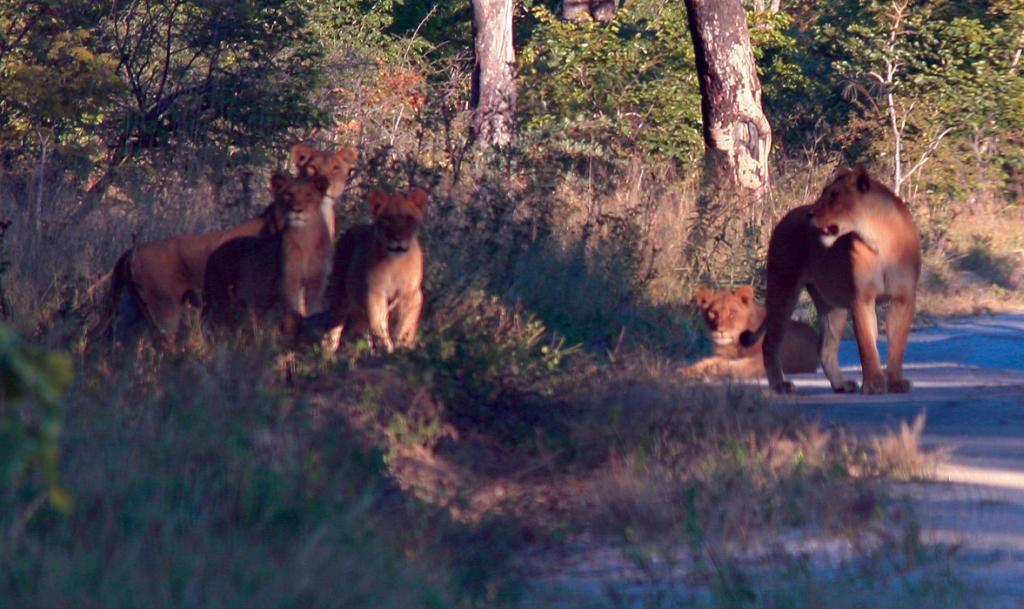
[[969, 380]]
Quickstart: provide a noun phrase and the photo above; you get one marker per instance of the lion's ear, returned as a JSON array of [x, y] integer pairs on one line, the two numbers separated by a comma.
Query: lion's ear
[[377, 200], [744, 293], [278, 182], [418, 197], [347, 155], [702, 297], [301, 154], [862, 179]]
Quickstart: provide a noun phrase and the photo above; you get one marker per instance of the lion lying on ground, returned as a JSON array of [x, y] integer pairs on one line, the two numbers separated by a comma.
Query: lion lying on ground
[[378, 269], [855, 246], [152, 282], [728, 315], [285, 272]]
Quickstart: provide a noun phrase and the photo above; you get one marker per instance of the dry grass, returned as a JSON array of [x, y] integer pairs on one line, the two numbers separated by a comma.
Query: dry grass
[[898, 454], [541, 403]]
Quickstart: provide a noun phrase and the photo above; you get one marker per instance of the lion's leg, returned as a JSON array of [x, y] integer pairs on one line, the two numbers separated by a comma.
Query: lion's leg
[[780, 307], [742, 368], [377, 311], [337, 313], [127, 323], [897, 328], [166, 315], [294, 294], [831, 325], [865, 326], [331, 341], [408, 314], [709, 366]]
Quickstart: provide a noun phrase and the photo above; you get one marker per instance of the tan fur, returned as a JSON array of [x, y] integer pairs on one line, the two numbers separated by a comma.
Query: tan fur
[[728, 315], [378, 269], [169, 273], [336, 166], [855, 246], [284, 272]]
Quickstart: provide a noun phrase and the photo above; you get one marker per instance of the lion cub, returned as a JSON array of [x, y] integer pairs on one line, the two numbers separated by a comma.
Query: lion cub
[[378, 273], [728, 315], [286, 271]]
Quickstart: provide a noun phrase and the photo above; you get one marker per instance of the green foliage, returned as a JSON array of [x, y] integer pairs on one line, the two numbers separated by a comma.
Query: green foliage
[[64, 90], [494, 367], [144, 78], [600, 90], [32, 382], [198, 484], [945, 65]]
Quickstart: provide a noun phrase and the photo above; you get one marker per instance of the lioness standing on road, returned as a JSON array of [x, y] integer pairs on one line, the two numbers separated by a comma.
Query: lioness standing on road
[[378, 268], [855, 246], [286, 271]]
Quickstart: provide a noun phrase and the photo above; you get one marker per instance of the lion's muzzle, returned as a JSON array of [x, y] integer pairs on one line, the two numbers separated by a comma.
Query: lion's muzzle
[[397, 246], [721, 338]]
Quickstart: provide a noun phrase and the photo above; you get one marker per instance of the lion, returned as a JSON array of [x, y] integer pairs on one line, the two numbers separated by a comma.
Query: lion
[[156, 280], [378, 269], [855, 246], [728, 315], [336, 166], [286, 271]]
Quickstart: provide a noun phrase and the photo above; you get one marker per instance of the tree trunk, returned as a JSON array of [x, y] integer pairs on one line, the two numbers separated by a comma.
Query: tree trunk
[[737, 136], [494, 82]]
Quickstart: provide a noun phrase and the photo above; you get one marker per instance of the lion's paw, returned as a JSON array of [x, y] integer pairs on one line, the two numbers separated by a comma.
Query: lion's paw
[[784, 387], [846, 387], [874, 386], [899, 386]]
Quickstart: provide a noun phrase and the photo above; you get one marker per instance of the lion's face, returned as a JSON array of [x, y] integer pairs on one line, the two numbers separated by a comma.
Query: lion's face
[[726, 313], [397, 218], [834, 213], [336, 166], [298, 199]]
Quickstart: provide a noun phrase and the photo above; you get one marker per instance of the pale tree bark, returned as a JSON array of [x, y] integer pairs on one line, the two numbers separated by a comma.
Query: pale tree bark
[[494, 82], [737, 136], [896, 113], [583, 10]]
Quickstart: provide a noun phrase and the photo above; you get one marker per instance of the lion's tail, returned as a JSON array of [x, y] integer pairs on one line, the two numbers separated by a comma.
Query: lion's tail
[[749, 338], [121, 284]]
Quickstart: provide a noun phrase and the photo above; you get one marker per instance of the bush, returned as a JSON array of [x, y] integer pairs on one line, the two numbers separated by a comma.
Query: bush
[[32, 382]]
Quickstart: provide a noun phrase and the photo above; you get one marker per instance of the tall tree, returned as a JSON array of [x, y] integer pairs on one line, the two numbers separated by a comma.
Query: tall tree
[[737, 135], [929, 77], [494, 78]]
